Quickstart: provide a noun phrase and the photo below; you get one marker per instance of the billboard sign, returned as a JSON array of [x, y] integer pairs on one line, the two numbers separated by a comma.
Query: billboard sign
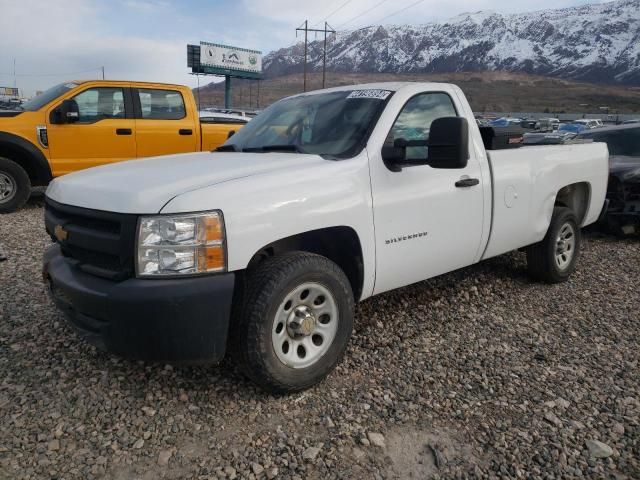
[[9, 91], [214, 56]]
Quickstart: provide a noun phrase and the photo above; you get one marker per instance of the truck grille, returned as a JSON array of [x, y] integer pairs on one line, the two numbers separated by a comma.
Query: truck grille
[[97, 242]]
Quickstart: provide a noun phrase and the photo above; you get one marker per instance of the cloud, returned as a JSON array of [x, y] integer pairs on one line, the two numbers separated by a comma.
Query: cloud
[[71, 40], [54, 41], [342, 14], [146, 6]]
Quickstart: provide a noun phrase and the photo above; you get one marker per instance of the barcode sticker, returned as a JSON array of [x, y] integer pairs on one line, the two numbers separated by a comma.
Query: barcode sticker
[[377, 94]]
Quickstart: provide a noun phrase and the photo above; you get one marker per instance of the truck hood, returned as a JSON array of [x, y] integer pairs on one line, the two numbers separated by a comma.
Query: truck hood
[[146, 185], [10, 113]]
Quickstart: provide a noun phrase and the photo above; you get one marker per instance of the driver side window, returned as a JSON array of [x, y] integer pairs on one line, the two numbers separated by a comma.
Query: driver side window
[[100, 103], [415, 120]]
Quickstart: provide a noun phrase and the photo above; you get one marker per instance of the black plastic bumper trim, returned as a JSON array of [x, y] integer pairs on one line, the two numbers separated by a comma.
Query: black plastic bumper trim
[[183, 320]]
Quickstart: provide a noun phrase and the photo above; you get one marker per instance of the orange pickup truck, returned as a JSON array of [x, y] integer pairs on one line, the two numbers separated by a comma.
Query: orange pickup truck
[[77, 125]]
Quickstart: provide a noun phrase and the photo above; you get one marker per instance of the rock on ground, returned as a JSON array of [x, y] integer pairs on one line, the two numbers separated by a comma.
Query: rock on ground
[[458, 372]]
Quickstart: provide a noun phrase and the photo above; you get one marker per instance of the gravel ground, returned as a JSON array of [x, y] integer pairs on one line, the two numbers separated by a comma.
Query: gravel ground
[[476, 374]]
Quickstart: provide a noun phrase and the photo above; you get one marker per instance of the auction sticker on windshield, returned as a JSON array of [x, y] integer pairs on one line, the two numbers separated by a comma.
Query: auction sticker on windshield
[[378, 94]]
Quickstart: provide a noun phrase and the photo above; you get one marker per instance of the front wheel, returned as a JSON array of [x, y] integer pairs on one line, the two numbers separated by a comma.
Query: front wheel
[[15, 186], [295, 322], [553, 260]]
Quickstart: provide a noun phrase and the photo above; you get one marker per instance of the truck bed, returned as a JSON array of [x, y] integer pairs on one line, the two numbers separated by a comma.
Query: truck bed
[[525, 183]]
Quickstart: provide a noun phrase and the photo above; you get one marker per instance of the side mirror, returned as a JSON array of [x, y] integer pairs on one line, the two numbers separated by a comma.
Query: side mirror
[[448, 143], [67, 112], [395, 153]]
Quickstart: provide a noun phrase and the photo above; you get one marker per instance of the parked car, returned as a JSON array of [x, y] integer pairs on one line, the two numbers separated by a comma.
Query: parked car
[[505, 122], [233, 111], [623, 192], [547, 138], [572, 128], [207, 116], [10, 104], [565, 133], [547, 124], [529, 123], [633, 120], [325, 199], [77, 125], [589, 122], [481, 121]]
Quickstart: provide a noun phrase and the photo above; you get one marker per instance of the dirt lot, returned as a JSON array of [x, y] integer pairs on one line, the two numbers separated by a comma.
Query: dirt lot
[[486, 91], [477, 374]]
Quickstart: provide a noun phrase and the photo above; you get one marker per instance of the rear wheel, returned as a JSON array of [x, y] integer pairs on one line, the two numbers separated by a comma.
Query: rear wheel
[[15, 186], [553, 260], [295, 323]]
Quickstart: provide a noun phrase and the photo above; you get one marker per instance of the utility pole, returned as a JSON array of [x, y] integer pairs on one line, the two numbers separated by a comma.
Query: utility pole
[[227, 91], [324, 54], [327, 28], [103, 72], [306, 30]]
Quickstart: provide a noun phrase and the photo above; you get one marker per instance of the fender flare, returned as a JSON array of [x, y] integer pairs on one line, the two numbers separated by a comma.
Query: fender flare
[[30, 157]]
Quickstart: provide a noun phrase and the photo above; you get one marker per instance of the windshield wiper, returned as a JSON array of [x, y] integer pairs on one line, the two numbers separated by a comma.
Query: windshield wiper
[[275, 148], [227, 148]]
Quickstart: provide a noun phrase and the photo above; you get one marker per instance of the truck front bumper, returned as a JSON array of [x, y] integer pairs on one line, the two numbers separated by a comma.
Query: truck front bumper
[[183, 320]]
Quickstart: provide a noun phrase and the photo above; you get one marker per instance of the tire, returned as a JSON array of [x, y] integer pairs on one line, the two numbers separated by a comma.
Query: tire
[[15, 186], [275, 312], [545, 261]]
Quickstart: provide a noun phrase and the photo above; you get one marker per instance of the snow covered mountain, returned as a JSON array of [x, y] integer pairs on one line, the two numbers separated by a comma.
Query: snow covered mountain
[[597, 43]]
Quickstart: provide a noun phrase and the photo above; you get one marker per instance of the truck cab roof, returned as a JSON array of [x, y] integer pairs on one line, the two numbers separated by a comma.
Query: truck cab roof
[[119, 82], [392, 86]]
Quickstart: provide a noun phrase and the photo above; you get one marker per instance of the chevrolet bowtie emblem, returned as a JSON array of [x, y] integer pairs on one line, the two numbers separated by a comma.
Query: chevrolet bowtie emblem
[[60, 233]]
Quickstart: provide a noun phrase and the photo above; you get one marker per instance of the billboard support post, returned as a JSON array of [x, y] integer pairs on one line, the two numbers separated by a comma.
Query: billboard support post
[[227, 91]]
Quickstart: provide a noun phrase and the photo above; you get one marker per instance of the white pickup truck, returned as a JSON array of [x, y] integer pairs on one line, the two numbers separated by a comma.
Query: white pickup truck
[[326, 198]]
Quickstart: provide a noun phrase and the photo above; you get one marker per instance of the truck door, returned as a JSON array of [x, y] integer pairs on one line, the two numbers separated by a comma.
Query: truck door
[[163, 126], [103, 133], [427, 222]]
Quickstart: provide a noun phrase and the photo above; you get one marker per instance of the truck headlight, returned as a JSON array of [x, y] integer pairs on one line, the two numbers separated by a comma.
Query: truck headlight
[[180, 244]]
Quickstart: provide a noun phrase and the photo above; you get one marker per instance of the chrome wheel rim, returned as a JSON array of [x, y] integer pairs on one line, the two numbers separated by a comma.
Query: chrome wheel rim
[[565, 246], [305, 325], [7, 187]]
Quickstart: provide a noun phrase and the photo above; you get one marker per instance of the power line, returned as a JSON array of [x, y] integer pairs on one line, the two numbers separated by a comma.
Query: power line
[[330, 6], [362, 14], [398, 11], [392, 14], [333, 13]]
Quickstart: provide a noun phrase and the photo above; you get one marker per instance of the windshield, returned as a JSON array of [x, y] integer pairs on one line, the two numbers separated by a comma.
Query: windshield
[[332, 124], [39, 101]]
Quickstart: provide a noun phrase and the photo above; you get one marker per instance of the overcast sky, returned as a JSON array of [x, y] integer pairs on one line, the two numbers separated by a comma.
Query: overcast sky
[[57, 40]]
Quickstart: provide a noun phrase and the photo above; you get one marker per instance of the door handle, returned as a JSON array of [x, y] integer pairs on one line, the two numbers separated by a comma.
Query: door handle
[[185, 131], [123, 131], [467, 182]]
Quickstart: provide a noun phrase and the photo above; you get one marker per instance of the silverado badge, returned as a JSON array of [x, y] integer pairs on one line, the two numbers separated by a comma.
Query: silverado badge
[[60, 233]]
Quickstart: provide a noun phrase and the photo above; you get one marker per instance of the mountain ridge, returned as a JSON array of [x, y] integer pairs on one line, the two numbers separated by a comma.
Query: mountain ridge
[[595, 43]]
